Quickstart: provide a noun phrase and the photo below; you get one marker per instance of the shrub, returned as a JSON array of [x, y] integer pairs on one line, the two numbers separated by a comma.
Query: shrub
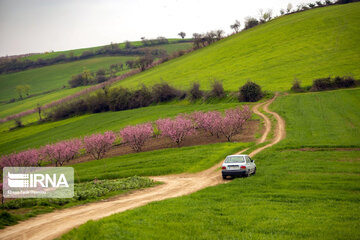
[[66, 110], [250, 92], [77, 81], [97, 103], [163, 92], [195, 92], [98, 144], [140, 98], [176, 129], [137, 135], [251, 22], [344, 82], [18, 123], [322, 84], [217, 89], [119, 99], [296, 87], [101, 75]]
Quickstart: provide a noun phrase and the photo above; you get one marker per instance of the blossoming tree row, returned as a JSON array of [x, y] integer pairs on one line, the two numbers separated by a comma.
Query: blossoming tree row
[[228, 124]]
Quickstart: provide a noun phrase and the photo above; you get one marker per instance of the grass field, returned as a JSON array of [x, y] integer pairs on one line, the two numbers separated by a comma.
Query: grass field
[[52, 77], [78, 52], [30, 103], [155, 163], [55, 77], [294, 195], [283, 201], [307, 45], [326, 119], [40, 134]]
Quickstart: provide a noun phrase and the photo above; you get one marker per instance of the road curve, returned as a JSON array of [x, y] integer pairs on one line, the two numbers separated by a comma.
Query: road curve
[[54, 224]]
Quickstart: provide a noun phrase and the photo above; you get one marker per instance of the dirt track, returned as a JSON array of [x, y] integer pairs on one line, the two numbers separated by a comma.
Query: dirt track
[[52, 225]]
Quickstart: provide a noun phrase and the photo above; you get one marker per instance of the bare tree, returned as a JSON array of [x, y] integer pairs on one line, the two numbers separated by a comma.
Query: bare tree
[[235, 26], [219, 34], [182, 34], [289, 7], [265, 16], [197, 38]]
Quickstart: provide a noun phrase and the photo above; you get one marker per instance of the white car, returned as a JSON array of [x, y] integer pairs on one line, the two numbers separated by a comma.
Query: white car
[[238, 165]]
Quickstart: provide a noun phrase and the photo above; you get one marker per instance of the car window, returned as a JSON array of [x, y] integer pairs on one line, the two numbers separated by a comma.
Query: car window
[[247, 160], [234, 159]]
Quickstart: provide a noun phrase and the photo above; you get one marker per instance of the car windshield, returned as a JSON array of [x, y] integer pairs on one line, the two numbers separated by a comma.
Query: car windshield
[[234, 159]]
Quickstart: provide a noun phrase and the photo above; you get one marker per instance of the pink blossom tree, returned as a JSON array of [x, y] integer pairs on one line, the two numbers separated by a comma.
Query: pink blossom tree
[[233, 121], [177, 129], [61, 152], [98, 144], [137, 135], [208, 121], [26, 158]]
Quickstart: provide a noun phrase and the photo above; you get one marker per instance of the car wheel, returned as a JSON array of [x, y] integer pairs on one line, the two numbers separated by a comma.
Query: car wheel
[[247, 174], [224, 177]]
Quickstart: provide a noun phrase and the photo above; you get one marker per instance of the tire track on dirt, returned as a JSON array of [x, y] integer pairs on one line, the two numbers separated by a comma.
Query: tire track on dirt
[[52, 225]]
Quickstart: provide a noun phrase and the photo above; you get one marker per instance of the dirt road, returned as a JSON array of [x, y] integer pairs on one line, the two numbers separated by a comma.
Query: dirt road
[[52, 225]]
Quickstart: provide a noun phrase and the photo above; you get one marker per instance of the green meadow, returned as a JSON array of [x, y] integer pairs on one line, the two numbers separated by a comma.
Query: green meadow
[[55, 77], [325, 119], [317, 43], [52, 77], [294, 194], [172, 46], [156, 163]]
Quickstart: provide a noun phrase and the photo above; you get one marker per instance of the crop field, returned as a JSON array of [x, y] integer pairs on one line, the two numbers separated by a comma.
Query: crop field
[[295, 193], [36, 135], [307, 45]]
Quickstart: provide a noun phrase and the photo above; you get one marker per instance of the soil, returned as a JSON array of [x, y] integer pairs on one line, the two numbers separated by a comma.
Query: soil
[[52, 225]]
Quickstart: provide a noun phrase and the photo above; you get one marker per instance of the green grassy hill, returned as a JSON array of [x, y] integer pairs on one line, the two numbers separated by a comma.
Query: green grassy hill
[[306, 45], [55, 77], [78, 52], [294, 194], [52, 77]]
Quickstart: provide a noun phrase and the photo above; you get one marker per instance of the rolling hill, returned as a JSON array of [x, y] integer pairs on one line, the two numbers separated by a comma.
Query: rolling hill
[[54, 77], [306, 45]]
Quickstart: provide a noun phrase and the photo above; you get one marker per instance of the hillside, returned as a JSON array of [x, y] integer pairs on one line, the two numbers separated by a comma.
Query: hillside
[[306, 45], [56, 76], [295, 194], [78, 52], [52, 77]]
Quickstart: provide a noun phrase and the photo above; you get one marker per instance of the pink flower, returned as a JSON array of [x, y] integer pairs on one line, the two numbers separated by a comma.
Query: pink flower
[[177, 129], [137, 135], [61, 152], [98, 144]]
